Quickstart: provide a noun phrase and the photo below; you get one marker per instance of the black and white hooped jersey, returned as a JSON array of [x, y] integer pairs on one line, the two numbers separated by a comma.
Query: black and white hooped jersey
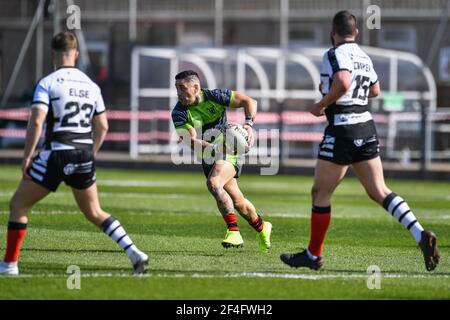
[[70, 99], [349, 116]]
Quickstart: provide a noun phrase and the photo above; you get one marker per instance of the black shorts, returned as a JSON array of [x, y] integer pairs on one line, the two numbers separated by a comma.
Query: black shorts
[[345, 151], [75, 167], [235, 160]]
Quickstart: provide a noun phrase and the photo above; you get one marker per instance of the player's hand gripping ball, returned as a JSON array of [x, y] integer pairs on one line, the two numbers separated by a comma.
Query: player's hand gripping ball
[[236, 139]]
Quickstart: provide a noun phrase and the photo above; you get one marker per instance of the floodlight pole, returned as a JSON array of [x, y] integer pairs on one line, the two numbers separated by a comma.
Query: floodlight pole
[[218, 23], [56, 17], [82, 47], [365, 30], [39, 47], [284, 24], [23, 50], [132, 20]]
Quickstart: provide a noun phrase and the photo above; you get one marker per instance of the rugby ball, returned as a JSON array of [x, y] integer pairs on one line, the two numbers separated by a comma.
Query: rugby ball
[[236, 139]]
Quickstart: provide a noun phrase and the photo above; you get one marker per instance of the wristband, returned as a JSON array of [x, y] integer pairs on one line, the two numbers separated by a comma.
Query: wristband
[[249, 121]]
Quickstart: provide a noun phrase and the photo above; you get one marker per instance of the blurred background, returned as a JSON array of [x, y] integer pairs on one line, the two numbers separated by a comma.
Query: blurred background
[[269, 49]]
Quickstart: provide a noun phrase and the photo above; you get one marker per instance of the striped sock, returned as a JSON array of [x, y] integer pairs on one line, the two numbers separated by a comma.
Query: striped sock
[[320, 220], [114, 229], [399, 209], [231, 221], [16, 233], [258, 224]]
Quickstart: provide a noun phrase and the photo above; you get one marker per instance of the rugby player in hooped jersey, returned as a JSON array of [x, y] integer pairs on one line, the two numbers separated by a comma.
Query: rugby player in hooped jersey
[[72, 107], [199, 118], [348, 79]]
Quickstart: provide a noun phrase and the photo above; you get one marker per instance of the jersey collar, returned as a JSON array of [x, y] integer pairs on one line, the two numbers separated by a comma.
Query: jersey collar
[[201, 98], [66, 67]]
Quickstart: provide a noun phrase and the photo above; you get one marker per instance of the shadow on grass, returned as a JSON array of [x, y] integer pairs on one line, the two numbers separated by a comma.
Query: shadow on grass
[[70, 250], [203, 253], [185, 253], [150, 252], [50, 269]]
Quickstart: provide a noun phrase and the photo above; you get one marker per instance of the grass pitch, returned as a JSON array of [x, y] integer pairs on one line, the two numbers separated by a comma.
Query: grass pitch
[[172, 217]]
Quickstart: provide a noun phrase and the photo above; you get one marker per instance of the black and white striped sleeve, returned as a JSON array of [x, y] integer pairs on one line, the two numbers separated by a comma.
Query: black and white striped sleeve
[[338, 61], [41, 95]]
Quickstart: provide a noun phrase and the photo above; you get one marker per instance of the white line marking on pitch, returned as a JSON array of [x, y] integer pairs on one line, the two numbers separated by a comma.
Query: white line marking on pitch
[[271, 215], [139, 183], [235, 275], [348, 215], [143, 183], [137, 195]]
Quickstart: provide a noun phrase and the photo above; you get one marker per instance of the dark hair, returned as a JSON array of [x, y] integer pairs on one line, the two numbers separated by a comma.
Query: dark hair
[[187, 75], [344, 23], [64, 41]]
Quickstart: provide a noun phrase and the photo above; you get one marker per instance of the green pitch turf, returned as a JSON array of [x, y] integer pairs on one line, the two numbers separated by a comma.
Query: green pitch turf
[[172, 217]]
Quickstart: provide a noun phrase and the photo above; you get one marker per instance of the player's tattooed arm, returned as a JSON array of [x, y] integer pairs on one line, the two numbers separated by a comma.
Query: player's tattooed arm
[[341, 84], [189, 137], [242, 101]]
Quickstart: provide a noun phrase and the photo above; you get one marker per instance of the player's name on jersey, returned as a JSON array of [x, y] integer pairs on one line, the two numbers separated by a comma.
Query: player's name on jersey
[[79, 93]]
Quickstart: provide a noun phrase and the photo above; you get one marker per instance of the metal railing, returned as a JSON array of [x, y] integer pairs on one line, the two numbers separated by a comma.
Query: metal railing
[[262, 73]]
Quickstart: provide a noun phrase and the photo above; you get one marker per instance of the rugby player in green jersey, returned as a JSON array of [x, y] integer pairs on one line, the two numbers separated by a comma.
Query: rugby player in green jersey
[[200, 118]]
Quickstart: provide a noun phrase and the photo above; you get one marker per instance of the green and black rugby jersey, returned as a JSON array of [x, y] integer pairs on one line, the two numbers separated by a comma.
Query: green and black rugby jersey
[[207, 113]]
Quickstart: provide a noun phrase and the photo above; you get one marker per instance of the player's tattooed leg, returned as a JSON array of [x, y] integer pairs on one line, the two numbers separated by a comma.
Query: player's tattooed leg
[[224, 202]]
